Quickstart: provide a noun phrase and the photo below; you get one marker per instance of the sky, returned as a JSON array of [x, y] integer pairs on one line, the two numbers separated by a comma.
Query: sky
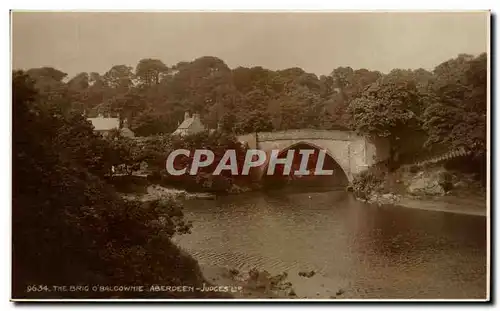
[[317, 42]]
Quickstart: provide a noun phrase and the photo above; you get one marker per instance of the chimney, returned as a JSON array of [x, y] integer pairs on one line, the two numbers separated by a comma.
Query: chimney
[[186, 115]]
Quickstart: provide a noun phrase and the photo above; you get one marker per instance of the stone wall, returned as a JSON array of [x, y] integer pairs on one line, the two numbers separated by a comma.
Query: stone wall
[[305, 134], [250, 139], [353, 153], [338, 150]]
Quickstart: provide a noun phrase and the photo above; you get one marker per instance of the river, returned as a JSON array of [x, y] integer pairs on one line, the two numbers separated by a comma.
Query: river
[[367, 251]]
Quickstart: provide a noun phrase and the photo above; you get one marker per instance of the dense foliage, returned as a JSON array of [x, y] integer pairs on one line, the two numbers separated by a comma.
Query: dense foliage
[[457, 116], [154, 97], [155, 149], [416, 110], [444, 107], [69, 226]]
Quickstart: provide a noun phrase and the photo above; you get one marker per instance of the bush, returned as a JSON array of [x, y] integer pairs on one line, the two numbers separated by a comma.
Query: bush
[[367, 182], [69, 225]]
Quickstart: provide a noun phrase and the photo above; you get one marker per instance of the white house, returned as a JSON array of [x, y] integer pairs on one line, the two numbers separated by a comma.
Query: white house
[[190, 125], [104, 125]]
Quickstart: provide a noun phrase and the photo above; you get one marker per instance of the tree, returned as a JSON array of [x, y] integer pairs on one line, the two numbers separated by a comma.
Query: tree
[[119, 77], [149, 123], [150, 71], [255, 121], [457, 117], [126, 153], [70, 227], [200, 84], [228, 123], [49, 84], [347, 85], [127, 105], [342, 78], [80, 82], [389, 108], [46, 73]]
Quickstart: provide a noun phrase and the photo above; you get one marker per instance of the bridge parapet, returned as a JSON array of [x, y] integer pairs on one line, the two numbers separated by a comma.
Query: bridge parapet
[[306, 134], [353, 153]]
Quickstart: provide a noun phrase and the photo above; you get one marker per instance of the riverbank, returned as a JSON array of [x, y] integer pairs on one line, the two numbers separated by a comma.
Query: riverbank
[[156, 192], [255, 284], [474, 205], [213, 228], [252, 284], [150, 187], [354, 249], [450, 204], [431, 188]]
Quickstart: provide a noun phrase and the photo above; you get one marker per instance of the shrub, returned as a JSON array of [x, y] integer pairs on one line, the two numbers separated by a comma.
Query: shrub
[[367, 182], [69, 225]]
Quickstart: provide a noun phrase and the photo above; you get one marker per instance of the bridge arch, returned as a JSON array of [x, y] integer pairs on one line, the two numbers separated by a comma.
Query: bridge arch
[[313, 146], [353, 153]]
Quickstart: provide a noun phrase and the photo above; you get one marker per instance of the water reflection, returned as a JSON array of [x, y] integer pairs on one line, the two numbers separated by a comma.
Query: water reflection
[[280, 179], [375, 252]]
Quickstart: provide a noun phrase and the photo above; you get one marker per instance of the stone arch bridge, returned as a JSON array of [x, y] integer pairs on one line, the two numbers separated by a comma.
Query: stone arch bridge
[[351, 152]]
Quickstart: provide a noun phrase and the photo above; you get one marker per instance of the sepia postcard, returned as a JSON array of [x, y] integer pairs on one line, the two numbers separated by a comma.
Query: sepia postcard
[[334, 156]]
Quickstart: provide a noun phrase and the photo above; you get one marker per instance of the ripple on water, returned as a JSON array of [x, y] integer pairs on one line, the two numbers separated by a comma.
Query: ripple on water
[[375, 252]]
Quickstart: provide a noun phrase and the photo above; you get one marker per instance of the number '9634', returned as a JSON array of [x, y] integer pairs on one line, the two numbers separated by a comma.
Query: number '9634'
[[37, 288]]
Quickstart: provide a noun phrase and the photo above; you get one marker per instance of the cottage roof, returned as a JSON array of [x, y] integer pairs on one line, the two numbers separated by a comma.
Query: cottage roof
[[127, 132], [105, 124], [186, 123]]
